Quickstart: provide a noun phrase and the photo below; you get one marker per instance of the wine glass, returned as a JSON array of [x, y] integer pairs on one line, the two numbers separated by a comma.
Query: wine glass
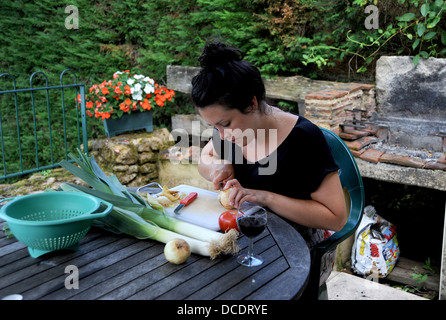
[[251, 222]]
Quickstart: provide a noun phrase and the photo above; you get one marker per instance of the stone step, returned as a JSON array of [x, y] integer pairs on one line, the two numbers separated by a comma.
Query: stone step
[[344, 286]]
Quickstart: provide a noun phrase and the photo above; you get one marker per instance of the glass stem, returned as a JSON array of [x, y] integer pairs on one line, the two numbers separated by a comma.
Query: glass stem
[[250, 248]]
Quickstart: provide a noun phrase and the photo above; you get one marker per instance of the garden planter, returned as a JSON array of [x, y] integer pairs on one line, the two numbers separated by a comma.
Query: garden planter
[[129, 122]]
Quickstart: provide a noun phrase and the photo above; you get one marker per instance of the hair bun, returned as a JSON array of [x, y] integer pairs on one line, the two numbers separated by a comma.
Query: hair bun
[[217, 53]]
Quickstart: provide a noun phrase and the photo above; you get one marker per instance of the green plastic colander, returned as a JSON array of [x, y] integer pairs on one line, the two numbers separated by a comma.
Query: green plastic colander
[[51, 221]]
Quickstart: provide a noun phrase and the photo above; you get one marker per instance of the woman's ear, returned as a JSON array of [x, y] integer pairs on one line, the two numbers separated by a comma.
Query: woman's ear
[[254, 106]]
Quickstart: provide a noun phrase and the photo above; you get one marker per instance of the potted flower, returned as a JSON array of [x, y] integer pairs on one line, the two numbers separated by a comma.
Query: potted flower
[[126, 103]]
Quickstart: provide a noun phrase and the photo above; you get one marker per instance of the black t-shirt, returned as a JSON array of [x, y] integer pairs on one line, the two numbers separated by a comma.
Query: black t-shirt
[[295, 169]]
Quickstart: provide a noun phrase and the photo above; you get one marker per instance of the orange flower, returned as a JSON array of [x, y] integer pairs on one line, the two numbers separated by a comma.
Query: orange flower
[[124, 107], [118, 90], [159, 102], [146, 105], [89, 104], [128, 102], [104, 90], [93, 87], [127, 89]]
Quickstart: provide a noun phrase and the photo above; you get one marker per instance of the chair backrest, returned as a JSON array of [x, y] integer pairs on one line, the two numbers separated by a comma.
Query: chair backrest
[[351, 182], [354, 190]]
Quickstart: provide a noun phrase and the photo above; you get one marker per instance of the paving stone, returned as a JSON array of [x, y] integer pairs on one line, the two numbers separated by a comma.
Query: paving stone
[[343, 286], [357, 153], [371, 155], [361, 142], [371, 130], [442, 159], [349, 133], [349, 87], [403, 160], [326, 94], [435, 165], [349, 136], [353, 130]]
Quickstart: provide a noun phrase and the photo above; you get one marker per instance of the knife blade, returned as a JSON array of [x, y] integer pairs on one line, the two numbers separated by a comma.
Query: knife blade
[[186, 201]]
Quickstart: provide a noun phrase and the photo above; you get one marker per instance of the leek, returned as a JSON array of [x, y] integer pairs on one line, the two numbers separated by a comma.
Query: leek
[[133, 215], [130, 223]]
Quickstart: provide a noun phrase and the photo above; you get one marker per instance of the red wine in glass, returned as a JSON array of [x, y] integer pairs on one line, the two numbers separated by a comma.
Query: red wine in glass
[[251, 225]]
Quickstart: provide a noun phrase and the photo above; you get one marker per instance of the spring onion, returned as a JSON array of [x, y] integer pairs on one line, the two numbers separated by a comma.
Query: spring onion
[[142, 219]]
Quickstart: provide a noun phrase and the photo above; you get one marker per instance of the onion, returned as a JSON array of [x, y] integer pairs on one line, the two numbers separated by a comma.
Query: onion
[[223, 197], [177, 251]]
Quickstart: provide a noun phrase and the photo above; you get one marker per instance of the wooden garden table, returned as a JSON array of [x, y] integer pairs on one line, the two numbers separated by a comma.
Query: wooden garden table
[[117, 267]]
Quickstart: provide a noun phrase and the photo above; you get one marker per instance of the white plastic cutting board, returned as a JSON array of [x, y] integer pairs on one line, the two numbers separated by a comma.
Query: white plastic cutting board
[[203, 211]]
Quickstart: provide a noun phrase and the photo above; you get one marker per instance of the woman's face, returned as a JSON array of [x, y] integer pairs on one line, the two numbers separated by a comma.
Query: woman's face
[[233, 125]]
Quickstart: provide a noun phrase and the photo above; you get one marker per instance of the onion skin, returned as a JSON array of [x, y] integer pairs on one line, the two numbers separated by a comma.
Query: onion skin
[[177, 251]]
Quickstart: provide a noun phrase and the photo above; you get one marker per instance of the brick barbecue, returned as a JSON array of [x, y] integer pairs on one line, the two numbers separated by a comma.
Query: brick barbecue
[[404, 125]]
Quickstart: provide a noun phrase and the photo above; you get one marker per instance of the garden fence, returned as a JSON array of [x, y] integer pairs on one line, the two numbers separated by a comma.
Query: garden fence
[[40, 125]]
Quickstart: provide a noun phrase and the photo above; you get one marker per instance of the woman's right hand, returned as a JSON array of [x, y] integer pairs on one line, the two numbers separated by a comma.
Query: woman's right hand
[[214, 169], [221, 174]]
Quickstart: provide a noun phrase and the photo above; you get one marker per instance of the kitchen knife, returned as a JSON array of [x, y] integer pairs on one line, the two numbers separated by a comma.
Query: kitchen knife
[[186, 201]]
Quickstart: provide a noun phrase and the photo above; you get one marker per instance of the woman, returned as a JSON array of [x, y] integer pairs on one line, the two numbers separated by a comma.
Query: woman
[[302, 184]]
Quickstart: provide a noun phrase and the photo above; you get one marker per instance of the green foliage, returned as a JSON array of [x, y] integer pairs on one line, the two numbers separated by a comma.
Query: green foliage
[[418, 28], [283, 37], [421, 276]]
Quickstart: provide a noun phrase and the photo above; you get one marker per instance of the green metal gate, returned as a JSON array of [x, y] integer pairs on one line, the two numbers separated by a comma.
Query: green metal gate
[[38, 128]]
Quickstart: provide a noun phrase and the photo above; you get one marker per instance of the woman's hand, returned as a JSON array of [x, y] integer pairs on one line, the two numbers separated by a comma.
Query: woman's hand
[[239, 194], [214, 169], [221, 174]]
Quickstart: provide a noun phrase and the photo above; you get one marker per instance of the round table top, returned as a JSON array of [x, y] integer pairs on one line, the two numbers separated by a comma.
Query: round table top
[[117, 266]]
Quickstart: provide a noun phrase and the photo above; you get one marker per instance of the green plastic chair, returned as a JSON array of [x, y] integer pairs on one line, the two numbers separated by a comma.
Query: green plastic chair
[[352, 183]]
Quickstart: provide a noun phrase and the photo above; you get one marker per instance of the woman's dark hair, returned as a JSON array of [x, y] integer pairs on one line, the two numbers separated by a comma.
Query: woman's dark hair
[[225, 78]]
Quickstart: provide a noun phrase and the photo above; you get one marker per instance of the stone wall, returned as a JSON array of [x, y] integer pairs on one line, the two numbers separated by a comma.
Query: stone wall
[[141, 158], [132, 157]]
